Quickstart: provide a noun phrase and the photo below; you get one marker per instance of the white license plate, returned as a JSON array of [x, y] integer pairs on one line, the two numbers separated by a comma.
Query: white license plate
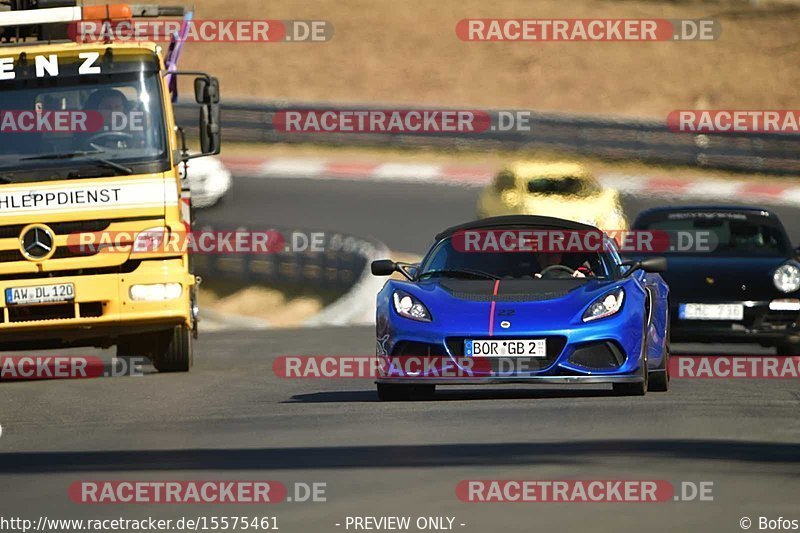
[[41, 294], [711, 311], [506, 348]]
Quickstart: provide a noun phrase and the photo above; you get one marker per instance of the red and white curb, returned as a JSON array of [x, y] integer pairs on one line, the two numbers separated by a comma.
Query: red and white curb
[[769, 192]]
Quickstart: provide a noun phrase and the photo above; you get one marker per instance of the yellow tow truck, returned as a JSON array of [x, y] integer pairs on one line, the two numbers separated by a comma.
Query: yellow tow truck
[[89, 145]]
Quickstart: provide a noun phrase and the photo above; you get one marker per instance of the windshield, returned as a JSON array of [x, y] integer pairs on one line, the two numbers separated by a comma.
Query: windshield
[[727, 234], [445, 260], [564, 186], [82, 125]]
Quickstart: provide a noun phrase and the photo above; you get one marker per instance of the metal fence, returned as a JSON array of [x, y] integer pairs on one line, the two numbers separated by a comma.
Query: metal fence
[[618, 139], [344, 259]]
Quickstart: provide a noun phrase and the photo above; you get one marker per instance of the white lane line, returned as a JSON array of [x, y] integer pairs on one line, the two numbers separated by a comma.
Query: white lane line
[[714, 189], [309, 168], [407, 172]]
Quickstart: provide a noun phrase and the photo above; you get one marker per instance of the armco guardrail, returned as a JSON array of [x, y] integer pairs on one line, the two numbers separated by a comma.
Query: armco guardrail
[[342, 267], [608, 138]]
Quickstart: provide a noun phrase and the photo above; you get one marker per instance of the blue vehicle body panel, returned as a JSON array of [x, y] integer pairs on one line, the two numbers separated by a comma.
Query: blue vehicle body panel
[[639, 328]]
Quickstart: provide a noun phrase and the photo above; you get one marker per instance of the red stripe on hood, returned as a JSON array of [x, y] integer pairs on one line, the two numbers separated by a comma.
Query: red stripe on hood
[[491, 310]]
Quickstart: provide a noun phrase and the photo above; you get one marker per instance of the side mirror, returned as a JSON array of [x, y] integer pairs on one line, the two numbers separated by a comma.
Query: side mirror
[[210, 136], [383, 267], [206, 90], [206, 93], [654, 265]]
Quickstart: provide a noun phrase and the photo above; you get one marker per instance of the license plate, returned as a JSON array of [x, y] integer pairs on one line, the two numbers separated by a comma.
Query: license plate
[[41, 294], [506, 348], [711, 311]]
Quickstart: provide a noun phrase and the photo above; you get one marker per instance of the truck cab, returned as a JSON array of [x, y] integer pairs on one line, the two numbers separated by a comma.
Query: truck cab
[[89, 146]]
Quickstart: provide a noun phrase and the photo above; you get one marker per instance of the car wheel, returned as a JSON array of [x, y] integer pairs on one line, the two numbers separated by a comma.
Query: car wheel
[[658, 380], [634, 389], [788, 348], [390, 392], [173, 350]]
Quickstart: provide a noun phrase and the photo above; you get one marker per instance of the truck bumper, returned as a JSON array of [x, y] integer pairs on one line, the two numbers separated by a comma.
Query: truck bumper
[[101, 311]]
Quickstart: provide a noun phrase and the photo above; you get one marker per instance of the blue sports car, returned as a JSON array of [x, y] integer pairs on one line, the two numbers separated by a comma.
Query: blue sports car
[[489, 313]]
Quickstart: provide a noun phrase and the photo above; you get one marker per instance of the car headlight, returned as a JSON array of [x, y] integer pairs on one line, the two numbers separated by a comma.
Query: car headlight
[[607, 305], [409, 307], [156, 292], [787, 278]]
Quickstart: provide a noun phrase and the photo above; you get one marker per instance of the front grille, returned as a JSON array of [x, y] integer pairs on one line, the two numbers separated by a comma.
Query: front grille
[[32, 313], [555, 345], [418, 349], [523, 297], [125, 268], [598, 355], [779, 319], [9, 256], [64, 252], [91, 309], [60, 228]]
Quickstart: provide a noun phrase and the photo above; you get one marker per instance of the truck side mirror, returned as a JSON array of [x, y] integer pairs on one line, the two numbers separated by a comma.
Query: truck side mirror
[[206, 90], [210, 135]]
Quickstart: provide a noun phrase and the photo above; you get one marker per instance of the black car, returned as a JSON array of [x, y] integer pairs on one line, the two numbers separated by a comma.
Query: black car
[[738, 280]]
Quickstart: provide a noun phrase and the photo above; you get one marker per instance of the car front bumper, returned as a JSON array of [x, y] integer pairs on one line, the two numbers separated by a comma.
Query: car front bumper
[[506, 380], [760, 324]]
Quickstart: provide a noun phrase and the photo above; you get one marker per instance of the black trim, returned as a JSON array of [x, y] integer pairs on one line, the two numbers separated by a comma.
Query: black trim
[[523, 221]]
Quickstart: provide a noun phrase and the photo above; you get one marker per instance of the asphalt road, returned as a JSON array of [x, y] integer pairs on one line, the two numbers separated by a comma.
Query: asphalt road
[[231, 418], [404, 216]]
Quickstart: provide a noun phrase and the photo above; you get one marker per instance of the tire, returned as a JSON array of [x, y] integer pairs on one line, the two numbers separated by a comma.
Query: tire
[[659, 378], [788, 348], [635, 389], [390, 392], [173, 351]]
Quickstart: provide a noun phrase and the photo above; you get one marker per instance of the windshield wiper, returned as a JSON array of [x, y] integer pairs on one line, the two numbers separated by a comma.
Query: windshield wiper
[[461, 272], [86, 154], [5, 179]]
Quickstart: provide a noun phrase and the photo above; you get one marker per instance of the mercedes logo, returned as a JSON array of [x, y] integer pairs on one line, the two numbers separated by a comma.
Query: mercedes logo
[[37, 242]]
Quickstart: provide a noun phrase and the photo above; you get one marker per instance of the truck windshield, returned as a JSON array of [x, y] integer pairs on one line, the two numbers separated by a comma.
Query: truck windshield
[[81, 126]]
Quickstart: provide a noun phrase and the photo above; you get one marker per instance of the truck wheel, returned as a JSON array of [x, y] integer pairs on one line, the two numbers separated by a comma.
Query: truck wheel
[[173, 350]]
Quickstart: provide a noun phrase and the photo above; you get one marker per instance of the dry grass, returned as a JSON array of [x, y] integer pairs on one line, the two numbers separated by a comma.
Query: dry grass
[[407, 52], [279, 307]]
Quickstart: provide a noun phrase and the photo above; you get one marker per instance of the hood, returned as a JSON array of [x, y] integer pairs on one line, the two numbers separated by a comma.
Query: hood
[[745, 278], [460, 305]]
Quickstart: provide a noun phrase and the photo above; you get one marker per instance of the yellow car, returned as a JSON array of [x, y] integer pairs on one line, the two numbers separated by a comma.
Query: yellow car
[[558, 189]]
